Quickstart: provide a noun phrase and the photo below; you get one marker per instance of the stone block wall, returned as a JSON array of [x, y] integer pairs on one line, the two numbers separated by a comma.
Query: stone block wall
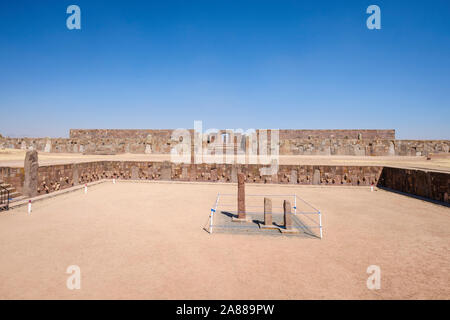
[[158, 145], [56, 177], [284, 133], [428, 184], [338, 134], [89, 134], [13, 176], [291, 142], [363, 147]]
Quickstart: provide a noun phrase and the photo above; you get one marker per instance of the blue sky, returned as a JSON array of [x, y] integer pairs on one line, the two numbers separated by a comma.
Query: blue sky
[[232, 64]]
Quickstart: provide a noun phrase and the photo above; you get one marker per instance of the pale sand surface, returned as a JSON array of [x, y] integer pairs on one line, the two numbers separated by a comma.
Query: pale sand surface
[[145, 240], [15, 158]]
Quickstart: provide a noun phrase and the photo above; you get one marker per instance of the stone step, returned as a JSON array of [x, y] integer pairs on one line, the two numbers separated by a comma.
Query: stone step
[[14, 195], [18, 198], [8, 187], [3, 206], [12, 190]]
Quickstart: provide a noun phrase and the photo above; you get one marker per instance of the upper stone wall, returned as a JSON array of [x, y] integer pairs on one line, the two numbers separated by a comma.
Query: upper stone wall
[[284, 134], [118, 133], [337, 134], [162, 145]]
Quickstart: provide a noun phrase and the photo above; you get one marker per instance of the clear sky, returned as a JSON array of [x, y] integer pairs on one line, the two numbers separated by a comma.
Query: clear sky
[[233, 64]]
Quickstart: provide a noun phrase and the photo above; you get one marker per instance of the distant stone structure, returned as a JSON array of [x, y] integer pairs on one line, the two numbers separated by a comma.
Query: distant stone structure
[[291, 142]]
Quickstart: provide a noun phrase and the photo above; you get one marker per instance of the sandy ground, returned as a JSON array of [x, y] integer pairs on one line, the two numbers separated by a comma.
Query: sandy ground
[[145, 240], [15, 158]]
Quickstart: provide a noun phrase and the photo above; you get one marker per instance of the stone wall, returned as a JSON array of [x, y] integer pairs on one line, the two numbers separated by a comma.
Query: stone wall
[[362, 147], [158, 145], [428, 184], [292, 142], [284, 134], [56, 177], [13, 176], [337, 134], [313, 146], [89, 134]]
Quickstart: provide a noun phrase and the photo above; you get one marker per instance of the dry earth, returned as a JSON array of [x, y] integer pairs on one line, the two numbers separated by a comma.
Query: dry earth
[[145, 240]]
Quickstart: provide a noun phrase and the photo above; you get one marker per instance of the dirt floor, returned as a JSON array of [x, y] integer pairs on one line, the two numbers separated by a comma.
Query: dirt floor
[[146, 241], [15, 158]]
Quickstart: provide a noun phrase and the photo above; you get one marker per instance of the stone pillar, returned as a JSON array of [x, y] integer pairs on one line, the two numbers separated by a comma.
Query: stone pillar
[[287, 215], [240, 200], [134, 173], [31, 166], [288, 226], [166, 170], [267, 212], [193, 172], [234, 173], [316, 177], [241, 196], [294, 178], [267, 216], [75, 175], [184, 173]]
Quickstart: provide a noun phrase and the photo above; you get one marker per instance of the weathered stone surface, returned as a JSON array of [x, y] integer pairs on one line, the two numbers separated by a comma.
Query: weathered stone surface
[[293, 179], [184, 173], [75, 175], [287, 214], [241, 196], [292, 142], [30, 184], [428, 184], [166, 171], [213, 174], [267, 212], [234, 171], [316, 177], [134, 173]]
